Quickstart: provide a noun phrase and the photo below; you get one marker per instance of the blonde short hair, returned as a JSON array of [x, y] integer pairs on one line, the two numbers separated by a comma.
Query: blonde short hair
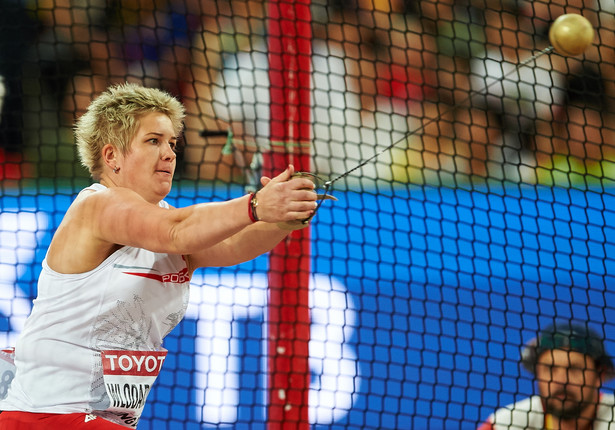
[[113, 117]]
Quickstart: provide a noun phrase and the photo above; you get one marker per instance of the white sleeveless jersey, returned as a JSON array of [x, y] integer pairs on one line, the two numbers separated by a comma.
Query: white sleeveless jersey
[[93, 342]]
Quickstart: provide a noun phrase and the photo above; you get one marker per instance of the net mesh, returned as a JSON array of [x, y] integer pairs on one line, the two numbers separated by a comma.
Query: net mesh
[[484, 214]]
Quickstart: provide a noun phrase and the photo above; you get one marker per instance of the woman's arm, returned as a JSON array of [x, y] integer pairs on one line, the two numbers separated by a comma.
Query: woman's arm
[[250, 242], [103, 221], [243, 246]]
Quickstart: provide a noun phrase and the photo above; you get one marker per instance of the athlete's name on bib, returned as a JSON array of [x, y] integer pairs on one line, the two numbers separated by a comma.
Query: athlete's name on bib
[[128, 396]]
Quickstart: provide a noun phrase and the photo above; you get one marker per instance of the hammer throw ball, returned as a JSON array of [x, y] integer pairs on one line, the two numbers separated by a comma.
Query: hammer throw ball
[[571, 34]]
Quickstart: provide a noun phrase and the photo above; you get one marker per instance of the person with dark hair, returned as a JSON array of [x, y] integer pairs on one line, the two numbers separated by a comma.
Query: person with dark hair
[[570, 364]]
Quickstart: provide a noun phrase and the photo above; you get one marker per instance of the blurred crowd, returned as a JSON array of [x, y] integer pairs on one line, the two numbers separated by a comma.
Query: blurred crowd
[[439, 79]]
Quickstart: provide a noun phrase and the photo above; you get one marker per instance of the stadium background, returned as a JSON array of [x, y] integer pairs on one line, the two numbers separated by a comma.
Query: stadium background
[[426, 278]]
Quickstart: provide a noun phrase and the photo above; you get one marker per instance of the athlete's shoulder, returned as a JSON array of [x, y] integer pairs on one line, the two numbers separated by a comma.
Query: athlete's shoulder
[[99, 193]]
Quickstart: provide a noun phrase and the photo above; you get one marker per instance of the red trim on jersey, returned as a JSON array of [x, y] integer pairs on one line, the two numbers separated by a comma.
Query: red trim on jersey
[[15, 420]]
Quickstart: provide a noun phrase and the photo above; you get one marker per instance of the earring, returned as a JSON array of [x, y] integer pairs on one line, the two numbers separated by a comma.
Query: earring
[[116, 169]]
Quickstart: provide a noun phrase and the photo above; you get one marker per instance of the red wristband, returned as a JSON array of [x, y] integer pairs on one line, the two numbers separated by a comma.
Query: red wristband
[[252, 204]]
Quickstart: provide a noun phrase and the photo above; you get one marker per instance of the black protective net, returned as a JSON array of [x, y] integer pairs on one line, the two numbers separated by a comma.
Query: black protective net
[[474, 170]]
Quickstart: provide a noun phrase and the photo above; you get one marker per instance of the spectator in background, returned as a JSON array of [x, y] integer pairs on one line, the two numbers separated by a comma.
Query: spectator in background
[[520, 100], [367, 86], [60, 47], [461, 137], [580, 139], [600, 13], [227, 87], [570, 364], [509, 132], [584, 134], [391, 65], [79, 50], [18, 29]]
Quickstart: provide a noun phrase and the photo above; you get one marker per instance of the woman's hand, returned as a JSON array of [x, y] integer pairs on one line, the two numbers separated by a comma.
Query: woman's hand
[[285, 198]]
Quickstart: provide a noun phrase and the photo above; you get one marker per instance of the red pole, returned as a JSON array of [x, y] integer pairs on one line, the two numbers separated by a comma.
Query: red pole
[[290, 38]]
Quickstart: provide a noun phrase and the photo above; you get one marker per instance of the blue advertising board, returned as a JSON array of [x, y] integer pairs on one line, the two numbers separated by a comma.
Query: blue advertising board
[[420, 300]]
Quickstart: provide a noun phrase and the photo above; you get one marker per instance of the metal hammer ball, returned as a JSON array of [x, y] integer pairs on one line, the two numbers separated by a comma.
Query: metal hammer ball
[[571, 34]]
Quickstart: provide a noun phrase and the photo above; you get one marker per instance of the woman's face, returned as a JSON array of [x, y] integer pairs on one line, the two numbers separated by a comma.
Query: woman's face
[[149, 165]]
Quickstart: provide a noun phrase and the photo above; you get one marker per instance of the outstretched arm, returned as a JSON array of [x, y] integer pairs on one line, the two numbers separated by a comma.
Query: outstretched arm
[[260, 237], [210, 233]]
